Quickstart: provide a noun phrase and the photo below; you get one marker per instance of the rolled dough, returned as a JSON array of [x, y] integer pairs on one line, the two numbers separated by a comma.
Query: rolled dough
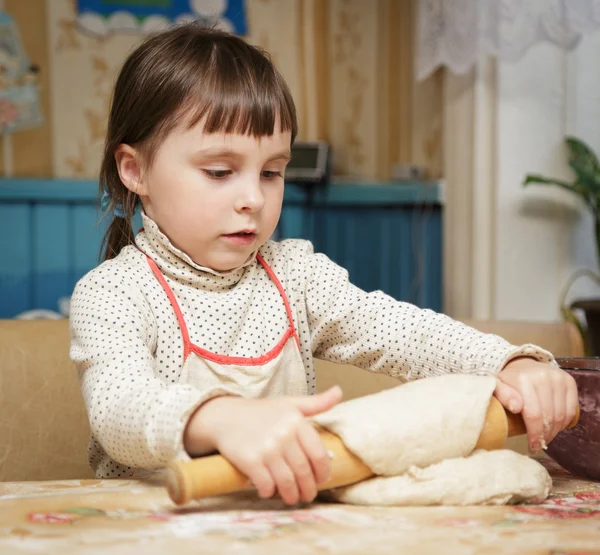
[[419, 439]]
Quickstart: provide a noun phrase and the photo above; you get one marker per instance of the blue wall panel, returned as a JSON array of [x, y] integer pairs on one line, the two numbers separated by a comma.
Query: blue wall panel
[[15, 259], [396, 249], [387, 237], [51, 254], [88, 232]]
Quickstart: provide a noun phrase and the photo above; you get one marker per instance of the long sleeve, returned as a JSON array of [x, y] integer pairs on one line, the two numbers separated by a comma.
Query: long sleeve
[[137, 418], [375, 332]]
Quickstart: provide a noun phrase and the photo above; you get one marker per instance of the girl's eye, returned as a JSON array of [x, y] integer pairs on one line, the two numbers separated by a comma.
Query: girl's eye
[[271, 174], [218, 174]]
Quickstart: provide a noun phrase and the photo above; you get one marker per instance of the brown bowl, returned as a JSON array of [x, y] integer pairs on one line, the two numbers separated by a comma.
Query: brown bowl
[[578, 450]]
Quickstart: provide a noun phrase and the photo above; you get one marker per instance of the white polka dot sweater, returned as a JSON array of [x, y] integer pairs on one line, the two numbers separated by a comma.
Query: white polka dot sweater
[[127, 344]]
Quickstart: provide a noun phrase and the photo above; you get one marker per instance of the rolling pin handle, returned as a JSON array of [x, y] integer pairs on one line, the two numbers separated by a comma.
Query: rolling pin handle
[[214, 475]]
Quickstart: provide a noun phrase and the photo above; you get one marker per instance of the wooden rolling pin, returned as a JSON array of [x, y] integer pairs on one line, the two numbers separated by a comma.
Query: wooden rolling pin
[[214, 475]]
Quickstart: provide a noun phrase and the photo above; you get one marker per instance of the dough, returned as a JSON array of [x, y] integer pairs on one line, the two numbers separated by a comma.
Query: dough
[[484, 478], [405, 431], [415, 424]]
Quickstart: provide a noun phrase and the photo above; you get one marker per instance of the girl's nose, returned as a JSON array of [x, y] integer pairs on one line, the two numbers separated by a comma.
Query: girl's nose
[[251, 197]]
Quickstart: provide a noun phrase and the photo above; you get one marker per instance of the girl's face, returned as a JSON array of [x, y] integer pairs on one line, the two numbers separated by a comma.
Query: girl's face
[[217, 197]]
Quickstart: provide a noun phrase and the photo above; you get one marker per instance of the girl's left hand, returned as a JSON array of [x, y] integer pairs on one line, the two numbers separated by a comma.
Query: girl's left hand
[[545, 395]]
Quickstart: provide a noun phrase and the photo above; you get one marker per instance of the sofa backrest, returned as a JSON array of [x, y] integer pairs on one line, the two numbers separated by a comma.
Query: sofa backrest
[[44, 428]]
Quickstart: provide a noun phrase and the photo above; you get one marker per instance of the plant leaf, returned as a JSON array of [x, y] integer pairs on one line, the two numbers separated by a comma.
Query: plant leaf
[[540, 179], [579, 149], [586, 166], [574, 188], [569, 315]]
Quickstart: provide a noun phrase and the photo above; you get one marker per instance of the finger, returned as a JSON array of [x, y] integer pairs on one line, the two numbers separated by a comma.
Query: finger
[[284, 480], [572, 401], [533, 417], [316, 453], [262, 480], [305, 480], [559, 402], [545, 395], [510, 398], [309, 405]]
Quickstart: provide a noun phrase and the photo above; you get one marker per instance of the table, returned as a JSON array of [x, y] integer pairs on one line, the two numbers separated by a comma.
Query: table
[[135, 516]]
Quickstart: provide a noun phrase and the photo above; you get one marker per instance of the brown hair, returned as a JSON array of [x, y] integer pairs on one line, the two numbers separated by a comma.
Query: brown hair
[[179, 77]]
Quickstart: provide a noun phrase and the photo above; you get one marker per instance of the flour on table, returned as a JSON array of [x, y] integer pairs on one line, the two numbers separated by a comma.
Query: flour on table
[[419, 439]]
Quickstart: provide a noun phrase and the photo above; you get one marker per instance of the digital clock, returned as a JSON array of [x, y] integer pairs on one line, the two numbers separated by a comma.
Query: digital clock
[[310, 163]]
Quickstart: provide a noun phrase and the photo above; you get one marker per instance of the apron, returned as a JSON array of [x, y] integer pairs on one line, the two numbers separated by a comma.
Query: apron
[[280, 371]]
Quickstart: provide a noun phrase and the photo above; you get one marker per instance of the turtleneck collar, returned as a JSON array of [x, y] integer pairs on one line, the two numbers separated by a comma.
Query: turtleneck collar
[[177, 265]]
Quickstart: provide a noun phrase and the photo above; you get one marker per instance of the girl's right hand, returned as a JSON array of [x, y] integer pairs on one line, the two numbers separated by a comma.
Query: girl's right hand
[[269, 440]]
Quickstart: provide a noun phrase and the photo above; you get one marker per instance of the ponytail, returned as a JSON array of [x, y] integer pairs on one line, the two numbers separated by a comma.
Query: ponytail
[[121, 209], [118, 235]]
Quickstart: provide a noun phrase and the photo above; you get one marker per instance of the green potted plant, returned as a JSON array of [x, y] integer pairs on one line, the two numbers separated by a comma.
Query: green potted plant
[[586, 185]]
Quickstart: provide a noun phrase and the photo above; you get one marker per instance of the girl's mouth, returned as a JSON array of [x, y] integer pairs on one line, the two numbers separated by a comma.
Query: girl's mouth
[[241, 237]]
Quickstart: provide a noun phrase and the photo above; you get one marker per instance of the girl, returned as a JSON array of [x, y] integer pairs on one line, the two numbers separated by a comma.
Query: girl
[[198, 334]]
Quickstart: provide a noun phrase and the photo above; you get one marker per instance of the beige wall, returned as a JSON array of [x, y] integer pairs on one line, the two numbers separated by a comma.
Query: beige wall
[[83, 70], [511, 251], [347, 62], [32, 153]]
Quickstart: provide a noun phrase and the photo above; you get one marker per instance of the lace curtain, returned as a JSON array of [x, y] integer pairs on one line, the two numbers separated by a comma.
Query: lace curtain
[[455, 33]]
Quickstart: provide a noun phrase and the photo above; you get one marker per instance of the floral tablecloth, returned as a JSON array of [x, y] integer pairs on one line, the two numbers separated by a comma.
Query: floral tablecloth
[[131, 516]]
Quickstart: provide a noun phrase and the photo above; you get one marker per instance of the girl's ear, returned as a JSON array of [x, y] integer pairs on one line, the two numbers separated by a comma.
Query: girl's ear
[[129, 167]]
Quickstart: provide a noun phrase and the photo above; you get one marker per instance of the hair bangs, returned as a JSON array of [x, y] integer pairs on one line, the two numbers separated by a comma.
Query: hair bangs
[[239, 95]]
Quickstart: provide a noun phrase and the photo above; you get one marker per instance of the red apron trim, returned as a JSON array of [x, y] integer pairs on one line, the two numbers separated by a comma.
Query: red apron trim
[[184, 331], [286, 302], [188, 347], [245, 361]]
